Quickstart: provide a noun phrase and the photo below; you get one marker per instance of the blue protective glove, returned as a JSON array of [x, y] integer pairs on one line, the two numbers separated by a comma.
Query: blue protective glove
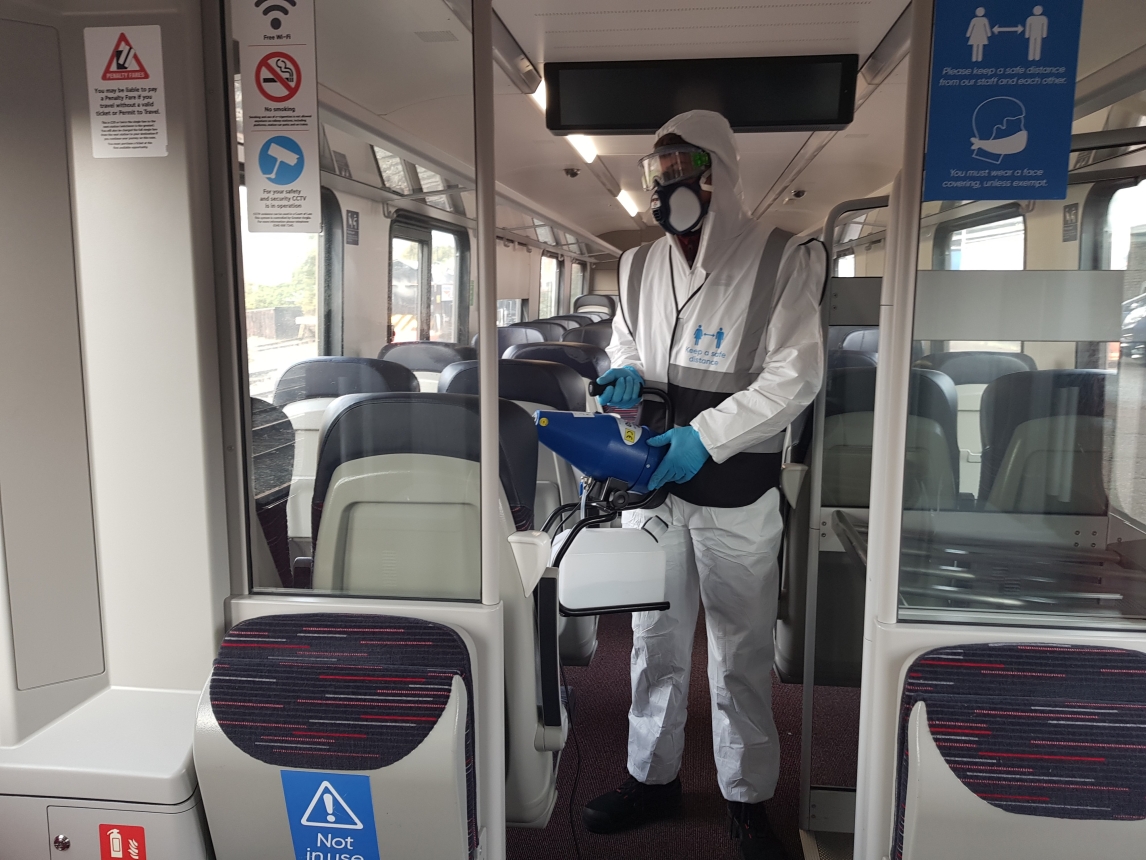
[[624, 388], [686, 454]]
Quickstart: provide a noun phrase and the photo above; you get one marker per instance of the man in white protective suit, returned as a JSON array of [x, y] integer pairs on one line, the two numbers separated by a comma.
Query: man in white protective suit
[[724, 314]]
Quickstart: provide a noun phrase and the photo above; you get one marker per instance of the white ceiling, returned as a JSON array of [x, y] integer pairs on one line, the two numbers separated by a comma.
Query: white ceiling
[[553, 30], [370, 52]]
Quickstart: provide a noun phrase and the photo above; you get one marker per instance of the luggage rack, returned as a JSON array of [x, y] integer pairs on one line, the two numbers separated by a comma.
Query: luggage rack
[[945, 572]]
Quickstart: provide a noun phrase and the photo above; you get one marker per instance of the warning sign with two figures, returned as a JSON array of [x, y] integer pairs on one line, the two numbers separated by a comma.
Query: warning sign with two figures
[[331, 815], [126, 98]]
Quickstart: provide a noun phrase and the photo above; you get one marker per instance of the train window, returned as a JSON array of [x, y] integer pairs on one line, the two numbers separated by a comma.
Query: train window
[[550, 296], [1022, 490], [280, 281], [992, 241], [846, 265], [576, 281], [426, 266], [510, 311], [330, 475], [393, 170], [1126, 227]]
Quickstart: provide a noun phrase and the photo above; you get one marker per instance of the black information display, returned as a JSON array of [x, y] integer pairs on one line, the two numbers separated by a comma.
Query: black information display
[[814, 93]]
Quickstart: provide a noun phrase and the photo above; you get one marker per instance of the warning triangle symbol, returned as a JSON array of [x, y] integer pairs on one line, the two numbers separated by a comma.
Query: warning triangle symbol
[[124, 63], [328, 809]]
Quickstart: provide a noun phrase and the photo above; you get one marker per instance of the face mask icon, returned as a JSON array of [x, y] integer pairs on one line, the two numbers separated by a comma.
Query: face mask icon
[[999, 129]]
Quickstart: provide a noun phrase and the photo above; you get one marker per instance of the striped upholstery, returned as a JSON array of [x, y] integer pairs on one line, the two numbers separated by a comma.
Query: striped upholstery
[[339, 691], [1036, 729]]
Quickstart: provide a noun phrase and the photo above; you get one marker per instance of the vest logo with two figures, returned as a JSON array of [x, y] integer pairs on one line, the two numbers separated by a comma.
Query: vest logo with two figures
[[708, 347]]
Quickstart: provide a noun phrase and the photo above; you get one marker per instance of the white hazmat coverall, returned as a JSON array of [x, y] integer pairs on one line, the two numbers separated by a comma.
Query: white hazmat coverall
[[724, 557]]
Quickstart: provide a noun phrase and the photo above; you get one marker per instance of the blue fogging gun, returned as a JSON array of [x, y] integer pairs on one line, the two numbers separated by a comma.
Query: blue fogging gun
[[604, 446]]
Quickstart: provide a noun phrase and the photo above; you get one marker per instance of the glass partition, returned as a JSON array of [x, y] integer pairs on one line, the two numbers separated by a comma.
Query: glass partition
[[364, 479], [1023, 485]]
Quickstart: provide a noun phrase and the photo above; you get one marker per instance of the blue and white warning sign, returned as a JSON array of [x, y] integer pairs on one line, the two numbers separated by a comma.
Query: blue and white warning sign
[[280, 115], [331, 815], [1002, 99]]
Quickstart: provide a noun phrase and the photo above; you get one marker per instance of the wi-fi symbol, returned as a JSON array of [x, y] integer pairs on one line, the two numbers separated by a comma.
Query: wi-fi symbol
[[276, 9]]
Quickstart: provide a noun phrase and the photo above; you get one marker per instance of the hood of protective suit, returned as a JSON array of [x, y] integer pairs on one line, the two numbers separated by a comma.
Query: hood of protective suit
[[727, 219]]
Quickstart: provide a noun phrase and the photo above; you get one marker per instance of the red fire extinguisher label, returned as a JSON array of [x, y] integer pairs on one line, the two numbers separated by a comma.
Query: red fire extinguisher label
[[121, 842]]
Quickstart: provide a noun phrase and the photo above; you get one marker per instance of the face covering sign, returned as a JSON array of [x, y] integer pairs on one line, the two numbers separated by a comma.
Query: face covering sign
[[1002, 99]]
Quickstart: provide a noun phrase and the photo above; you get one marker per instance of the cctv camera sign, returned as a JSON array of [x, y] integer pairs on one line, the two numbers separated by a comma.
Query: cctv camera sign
[[280, 114], [1002, 99]]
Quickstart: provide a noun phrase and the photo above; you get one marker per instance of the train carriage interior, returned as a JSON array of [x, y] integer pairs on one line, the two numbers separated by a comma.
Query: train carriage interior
[[318, 586]]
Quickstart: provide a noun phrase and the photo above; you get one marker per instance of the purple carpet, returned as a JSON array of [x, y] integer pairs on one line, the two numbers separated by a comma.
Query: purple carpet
[[601, 728]]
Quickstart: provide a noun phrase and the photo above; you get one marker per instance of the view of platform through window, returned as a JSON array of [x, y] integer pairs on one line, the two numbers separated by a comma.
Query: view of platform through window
[[281, 291], [550, 284]]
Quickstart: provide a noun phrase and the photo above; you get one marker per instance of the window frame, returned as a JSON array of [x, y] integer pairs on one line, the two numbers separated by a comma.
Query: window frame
[[557, 282], [420, 228], [1093, 249], [945, 230]]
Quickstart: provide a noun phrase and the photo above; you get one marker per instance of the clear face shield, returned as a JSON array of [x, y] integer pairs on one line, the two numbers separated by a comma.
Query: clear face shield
[[676, 175], [669, 165]]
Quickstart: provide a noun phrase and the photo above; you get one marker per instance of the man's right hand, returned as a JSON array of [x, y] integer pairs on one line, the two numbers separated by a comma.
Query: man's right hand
[[623, 388]]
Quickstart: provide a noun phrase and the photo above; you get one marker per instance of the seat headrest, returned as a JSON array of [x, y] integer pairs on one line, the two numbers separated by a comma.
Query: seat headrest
[[443, 425], [839, 358], [428, 356], [545, 382], [507, 336], [867, 340], [564, 322], [576, 320], [1018, 397], [977, 368], [549, 329], [598, 334], [334, 376], [587, 360], [609, 303]]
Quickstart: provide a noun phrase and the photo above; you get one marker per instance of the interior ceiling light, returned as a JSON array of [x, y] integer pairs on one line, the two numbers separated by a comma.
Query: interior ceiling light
[[584, 146], [538, 95], [626, 200]]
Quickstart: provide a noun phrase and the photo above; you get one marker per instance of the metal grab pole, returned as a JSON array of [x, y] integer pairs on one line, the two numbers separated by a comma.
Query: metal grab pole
[[487, 299]]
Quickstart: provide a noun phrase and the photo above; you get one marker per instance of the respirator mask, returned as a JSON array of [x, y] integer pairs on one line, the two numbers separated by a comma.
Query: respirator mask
[[676, 176]]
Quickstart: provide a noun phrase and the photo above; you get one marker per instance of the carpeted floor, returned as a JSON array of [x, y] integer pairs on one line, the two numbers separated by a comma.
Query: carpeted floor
[[601, 735]]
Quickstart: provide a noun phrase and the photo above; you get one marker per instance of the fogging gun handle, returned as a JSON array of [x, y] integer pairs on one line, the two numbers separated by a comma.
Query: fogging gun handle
[[596, 389]]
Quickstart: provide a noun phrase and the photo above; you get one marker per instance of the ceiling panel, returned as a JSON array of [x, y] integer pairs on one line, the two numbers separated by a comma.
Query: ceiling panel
[[563, 30]]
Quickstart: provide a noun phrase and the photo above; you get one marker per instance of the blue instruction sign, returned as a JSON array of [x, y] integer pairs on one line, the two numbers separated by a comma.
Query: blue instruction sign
[[1002, 99], [331, 815], [281, 160]]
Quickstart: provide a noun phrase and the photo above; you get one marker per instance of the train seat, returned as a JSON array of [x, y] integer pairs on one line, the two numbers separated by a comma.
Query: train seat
[[1021, 750], [972, 372], [550, 329], [397, 514], [535, 385], [246, 766], [595, 302], [304, 392], [598, 334], [272, 455], [507, 336], [427, 358], [1043, 442], [587, 360], [932, 458], [866, 339]]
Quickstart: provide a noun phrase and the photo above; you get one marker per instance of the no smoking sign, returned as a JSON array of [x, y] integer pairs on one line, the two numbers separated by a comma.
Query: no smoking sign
[[278, 77]]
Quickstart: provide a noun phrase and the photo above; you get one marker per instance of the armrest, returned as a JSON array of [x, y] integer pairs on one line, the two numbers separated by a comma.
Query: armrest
[[531, 552], [552, 726]]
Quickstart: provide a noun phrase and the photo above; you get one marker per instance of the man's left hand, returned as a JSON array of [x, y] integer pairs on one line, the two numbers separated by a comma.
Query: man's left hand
[[686, 454]]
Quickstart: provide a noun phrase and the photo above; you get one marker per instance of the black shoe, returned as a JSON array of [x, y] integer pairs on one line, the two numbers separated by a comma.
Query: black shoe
[[631, 804], [757, 839]]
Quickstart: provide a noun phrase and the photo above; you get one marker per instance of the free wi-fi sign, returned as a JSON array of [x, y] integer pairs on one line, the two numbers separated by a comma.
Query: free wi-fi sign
[[275, 11]]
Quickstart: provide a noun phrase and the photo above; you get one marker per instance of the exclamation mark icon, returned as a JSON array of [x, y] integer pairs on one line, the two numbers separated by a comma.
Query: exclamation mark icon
[[329, 801]]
